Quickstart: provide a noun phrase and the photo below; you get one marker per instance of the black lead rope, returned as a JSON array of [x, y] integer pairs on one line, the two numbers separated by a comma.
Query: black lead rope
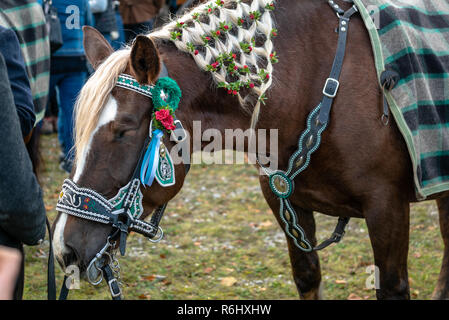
[[51, 281]]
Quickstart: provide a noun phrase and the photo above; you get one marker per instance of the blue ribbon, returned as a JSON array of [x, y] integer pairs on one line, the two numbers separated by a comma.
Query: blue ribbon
[[151, 159]]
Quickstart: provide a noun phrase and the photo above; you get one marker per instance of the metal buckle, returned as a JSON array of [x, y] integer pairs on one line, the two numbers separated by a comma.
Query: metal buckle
[[179, 127], [114, 294], [333, 90]]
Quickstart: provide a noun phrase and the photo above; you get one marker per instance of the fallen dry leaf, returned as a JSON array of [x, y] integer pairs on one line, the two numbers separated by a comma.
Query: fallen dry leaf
[[166, 282], [228, 281], [149, 278], [353, 296], [417, 255], [341, 281], [208, 270], [145, 297], [266, 224]]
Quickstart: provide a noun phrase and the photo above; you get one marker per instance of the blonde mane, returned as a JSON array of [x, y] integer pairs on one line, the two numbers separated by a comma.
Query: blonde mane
[[95, 92], [93, 97]]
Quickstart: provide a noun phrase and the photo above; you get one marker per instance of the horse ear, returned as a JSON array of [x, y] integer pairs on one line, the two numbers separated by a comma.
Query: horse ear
[[97, 48], [145, 61]]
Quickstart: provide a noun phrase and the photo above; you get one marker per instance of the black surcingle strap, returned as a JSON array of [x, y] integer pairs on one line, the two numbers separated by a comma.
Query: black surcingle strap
[[337, 235], [388, 80]]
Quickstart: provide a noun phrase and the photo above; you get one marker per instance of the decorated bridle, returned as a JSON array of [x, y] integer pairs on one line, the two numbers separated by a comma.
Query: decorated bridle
[[124, 210]]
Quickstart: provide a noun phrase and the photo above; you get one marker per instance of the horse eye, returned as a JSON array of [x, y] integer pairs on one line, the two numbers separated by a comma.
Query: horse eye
[[120, 134]]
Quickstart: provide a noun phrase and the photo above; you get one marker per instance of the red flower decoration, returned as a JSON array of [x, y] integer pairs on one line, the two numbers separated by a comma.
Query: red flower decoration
[[164, 117]]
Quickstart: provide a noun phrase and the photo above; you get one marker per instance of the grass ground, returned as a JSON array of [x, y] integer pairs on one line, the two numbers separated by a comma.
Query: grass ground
[[222, 242]]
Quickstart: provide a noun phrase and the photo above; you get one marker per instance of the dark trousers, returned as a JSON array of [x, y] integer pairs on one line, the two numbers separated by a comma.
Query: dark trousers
[[132, 30]]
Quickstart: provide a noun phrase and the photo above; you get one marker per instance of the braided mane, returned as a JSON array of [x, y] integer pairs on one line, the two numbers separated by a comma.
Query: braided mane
[[231, 39], [240, 58]]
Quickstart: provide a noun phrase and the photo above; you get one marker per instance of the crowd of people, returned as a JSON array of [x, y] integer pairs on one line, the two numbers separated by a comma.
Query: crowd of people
[[42, 74], [119, 22]]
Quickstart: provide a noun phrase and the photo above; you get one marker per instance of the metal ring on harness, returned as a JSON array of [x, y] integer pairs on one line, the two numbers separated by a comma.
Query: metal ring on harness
[[97, 258], [161, 232]]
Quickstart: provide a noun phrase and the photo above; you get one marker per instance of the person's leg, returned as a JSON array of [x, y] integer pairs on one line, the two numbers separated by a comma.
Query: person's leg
[[50, 119], [107, 36], [118, 43], [10, 260], [132, 30], [68, 91]]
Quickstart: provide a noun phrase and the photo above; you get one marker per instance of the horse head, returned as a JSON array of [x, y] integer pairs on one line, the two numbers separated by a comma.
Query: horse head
[[112, 126]]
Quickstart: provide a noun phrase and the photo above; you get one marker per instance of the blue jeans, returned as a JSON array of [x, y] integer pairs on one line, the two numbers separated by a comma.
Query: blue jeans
[[68, 86], [120, 42]]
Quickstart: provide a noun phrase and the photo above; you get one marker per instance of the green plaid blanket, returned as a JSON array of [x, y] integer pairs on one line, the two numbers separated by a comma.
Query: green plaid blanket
[[412, 38]]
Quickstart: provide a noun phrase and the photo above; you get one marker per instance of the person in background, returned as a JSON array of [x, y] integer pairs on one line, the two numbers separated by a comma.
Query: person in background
[[105, 19], [10, 259], [138, 16], [18, 78], [173, 6], [69, 70], [120, 41], [26, 18], [22, 210]]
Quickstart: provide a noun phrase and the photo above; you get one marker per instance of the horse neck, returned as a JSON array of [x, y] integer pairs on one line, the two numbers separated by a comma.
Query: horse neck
[[202, 106]]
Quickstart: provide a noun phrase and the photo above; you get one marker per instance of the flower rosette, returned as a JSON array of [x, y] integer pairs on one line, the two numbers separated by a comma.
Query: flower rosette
[[164, 118], [166, 97]]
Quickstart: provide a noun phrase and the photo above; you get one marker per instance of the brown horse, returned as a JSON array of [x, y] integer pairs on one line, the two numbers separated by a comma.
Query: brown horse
[[362, 168]]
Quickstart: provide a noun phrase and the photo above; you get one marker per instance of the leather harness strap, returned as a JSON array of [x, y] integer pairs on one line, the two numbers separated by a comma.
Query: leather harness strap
[[282, 182], [332, 84]]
